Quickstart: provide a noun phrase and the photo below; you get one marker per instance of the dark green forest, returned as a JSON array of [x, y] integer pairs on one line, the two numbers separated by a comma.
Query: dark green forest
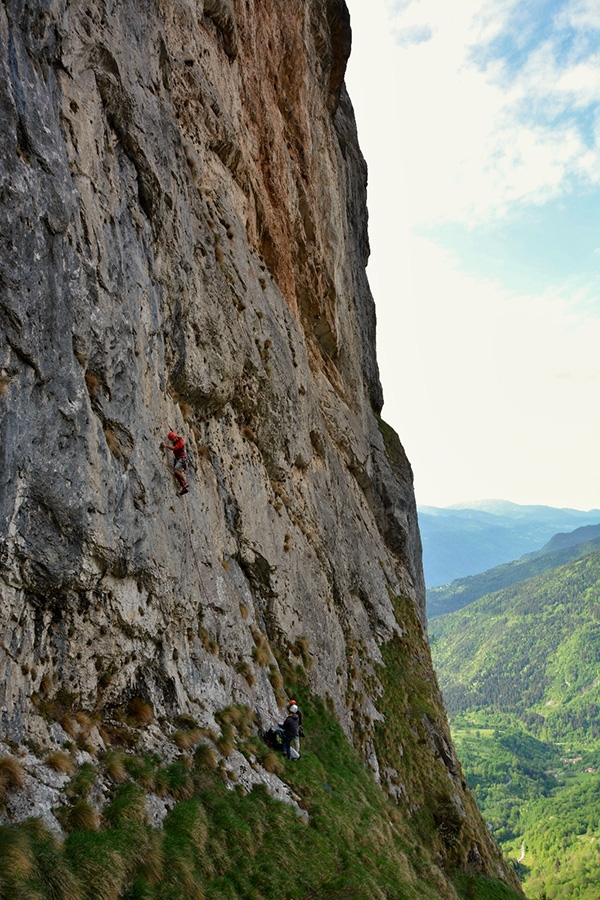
[[520, 674]]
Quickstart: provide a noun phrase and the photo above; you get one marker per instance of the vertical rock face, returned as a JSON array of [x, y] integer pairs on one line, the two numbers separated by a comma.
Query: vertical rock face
[[184, 242]]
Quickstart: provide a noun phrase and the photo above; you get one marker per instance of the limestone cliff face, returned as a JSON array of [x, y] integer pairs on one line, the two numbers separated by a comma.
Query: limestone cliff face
[[184, 242]]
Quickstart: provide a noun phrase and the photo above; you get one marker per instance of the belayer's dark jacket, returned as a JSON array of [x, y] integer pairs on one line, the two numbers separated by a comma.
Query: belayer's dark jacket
[[291, 726]]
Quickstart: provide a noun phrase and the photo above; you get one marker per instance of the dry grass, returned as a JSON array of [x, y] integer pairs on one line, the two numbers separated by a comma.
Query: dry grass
[[185, 721], [46, 685], [186, 410], [244, 611], [11, 776], [140, 711], [273, 762], [61, 762], [115, 767], [93, 383], [242, 718], [261, 656], [113, 443], [152, 867], [185, 790], [226, 740], [261, 652], [276, 678], [17, 862], [69, 724], [301, 648], [246, 671], [82, 816], [205, 757], [209, 644], [186, 739]]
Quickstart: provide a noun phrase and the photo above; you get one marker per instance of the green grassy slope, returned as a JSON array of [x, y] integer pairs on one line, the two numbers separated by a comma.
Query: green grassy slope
[[520, 673], [221, 843]]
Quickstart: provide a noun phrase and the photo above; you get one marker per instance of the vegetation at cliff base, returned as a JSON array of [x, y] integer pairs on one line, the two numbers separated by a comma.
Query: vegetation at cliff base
[[219, 842], [520, 673]]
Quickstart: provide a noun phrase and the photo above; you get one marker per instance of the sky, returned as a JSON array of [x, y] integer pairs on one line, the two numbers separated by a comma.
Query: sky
[[480, 124]]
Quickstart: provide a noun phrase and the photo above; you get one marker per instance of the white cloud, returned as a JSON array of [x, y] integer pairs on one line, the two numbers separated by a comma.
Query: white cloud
[[583, 15], [475, 140]]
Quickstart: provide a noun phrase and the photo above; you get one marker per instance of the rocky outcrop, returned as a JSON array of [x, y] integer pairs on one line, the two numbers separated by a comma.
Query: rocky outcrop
[[184, 242]]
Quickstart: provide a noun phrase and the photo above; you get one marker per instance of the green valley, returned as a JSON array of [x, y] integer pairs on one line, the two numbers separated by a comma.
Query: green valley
[[520, 674]]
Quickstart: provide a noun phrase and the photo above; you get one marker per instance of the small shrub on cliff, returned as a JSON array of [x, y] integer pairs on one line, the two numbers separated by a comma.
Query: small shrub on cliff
[[127, 806], [205, 757], [301, 648], [240, 717], [261, 652], [143, 770], [114, 763], [176, 780], [185, 739], [140, 711], [276, 679], [245, 670], [273, 762], [61, 762], [81, 816], [93, 383], [209, 644], [226, 740], [82, 783], [11, 776]]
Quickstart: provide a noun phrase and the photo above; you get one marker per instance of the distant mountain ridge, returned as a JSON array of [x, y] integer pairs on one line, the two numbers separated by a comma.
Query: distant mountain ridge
[[572, 538], [466, 539]]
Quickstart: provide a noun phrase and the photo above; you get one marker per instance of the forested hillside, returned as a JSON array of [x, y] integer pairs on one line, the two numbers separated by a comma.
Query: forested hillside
[[557, 552], [520, 672]]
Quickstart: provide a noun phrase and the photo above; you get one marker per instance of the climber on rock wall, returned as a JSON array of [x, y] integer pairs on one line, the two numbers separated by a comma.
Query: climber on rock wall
[[180, 464]]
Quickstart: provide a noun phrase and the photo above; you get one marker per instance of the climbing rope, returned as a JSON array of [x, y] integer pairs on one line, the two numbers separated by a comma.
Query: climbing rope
[[193, 549]]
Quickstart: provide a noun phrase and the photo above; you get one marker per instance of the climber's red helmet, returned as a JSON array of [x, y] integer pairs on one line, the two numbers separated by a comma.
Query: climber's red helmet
[[172, 436]]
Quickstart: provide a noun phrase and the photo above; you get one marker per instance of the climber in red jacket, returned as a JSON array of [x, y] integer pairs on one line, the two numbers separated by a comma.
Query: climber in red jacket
[[177, 445]]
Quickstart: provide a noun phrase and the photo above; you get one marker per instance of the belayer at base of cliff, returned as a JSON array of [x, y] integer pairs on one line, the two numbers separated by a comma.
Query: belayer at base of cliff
[[180, 463]]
